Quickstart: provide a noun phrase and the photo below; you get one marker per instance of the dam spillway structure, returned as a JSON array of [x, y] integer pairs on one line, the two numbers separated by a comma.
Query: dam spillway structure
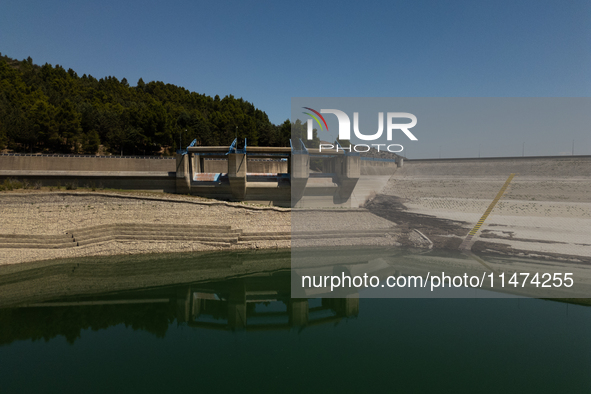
[[281, 176]]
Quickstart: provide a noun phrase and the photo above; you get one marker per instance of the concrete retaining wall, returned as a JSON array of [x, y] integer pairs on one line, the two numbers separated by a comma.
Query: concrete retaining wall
[[85, 163], [112, 172]]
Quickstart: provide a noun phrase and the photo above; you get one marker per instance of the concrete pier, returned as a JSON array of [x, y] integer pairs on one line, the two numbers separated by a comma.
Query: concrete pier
[[299, 174], [298, 312], [237, 175], [183, 184], [348, 173]]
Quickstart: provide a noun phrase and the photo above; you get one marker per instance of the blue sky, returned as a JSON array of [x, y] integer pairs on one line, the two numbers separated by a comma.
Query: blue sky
[[268, 52]]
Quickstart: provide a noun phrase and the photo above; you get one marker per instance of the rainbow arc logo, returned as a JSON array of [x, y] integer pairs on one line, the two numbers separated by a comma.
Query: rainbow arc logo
[[315, 118]]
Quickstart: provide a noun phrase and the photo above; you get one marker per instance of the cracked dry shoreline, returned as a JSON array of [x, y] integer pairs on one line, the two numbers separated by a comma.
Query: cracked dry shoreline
[[45, 214]]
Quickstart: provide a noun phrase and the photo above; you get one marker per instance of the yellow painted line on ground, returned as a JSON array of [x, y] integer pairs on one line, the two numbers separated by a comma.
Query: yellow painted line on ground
[[487, 212]]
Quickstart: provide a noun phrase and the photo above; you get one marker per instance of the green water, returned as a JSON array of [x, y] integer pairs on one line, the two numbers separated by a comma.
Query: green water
[[220, 323]]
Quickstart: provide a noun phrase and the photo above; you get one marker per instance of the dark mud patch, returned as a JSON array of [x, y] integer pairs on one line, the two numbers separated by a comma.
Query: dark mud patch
[[449, 234], [490, 248], [444, 233], [491, 235]]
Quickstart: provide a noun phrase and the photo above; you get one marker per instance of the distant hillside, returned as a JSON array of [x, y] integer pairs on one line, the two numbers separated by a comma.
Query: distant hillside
[[48, 109]]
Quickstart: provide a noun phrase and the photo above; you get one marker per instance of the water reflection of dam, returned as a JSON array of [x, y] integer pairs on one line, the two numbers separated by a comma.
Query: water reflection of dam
[[258, 303], [237, 291], [255, 303], [63, 299]]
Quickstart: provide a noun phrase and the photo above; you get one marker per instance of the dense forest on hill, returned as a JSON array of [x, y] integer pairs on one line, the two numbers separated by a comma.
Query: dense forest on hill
[[53, 110]]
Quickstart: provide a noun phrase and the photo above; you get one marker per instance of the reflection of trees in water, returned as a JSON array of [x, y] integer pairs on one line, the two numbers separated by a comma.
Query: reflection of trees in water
[[68, 321], [140, 292]]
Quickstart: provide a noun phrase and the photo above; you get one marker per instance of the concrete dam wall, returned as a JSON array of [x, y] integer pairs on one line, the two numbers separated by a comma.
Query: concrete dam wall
[[74, 163], [554, 166], [26, 163], [127, 172], [86, 163]]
